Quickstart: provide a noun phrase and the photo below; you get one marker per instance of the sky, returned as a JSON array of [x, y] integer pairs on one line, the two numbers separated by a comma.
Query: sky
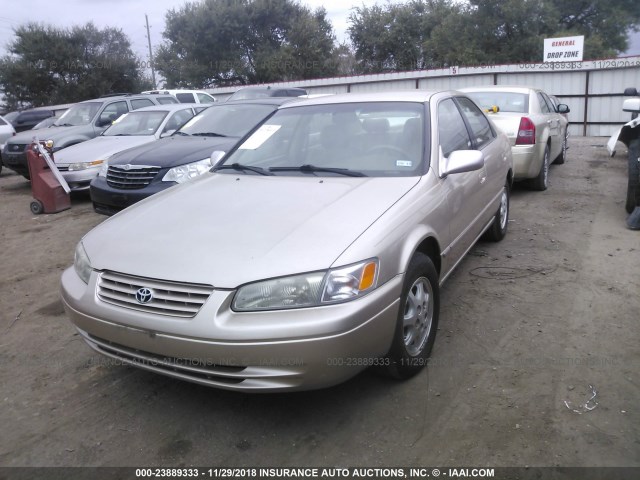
[[129, 16]]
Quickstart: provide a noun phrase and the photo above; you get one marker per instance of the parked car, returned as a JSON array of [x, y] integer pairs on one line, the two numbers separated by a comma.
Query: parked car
[[251, 93], [537, 130], [28, 119], [315, 249], [6, 131], [139, 172], [186, 96], [83, 121], [79, 164], [629, 135]]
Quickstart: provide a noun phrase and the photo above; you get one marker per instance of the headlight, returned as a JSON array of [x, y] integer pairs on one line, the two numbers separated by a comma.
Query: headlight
[[310, 289], [104, 167], [49, 144], [81, 263], [187, 172], [74, 167]]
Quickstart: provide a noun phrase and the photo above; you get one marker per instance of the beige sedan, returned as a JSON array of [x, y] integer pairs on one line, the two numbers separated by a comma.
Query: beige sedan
[[537, 129], [315, 249]]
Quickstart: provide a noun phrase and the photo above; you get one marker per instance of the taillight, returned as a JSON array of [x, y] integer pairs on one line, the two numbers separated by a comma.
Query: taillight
[[526, 132]]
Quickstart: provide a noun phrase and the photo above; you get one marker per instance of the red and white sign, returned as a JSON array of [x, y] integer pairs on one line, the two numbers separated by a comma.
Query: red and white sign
[[564, 49]]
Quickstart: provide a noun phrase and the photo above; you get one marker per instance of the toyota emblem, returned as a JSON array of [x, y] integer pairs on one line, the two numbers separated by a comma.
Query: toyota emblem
[[144, 295]]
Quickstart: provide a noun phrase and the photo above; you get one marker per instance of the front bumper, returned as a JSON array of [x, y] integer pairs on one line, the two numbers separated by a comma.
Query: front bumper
[[299, 349], [80, 179], [109, 201], [16, 160]]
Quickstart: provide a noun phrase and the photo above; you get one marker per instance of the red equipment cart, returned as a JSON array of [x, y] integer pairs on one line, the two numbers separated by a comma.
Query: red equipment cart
[[50, 190]]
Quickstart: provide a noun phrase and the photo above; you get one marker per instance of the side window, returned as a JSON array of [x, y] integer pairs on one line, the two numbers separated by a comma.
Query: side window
[[550, 103], [140, 103], [544, 108], [452, 132], [178, 119], [204, 98], [166, 100], [480, 127], [185, 97], [112, 112]]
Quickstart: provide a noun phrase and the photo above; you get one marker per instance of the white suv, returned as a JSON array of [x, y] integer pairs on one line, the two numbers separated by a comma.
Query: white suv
[[186, 96]]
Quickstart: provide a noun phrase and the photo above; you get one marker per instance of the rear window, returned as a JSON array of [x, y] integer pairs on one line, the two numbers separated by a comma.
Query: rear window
[[505, 101], [185, 97]]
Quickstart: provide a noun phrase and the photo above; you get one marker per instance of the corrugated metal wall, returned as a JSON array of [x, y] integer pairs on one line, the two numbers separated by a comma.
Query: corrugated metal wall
[[592, 89]]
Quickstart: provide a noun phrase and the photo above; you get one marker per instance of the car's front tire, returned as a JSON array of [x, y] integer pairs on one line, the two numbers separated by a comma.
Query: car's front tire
[[417, 321]]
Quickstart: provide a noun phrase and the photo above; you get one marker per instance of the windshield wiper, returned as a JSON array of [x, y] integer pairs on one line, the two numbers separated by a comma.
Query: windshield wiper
[[240, 168], [122, 135], [208, 134], [313, 169], [178, 132], [64, 125]]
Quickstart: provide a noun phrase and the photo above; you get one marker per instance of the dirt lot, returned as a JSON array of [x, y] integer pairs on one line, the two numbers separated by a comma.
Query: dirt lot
[[527, 325]]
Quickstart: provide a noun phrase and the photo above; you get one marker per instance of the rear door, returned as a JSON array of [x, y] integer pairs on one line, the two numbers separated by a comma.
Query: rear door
[[552, 121]]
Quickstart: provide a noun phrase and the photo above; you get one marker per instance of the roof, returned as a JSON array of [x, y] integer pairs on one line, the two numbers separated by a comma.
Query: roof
[[419, 96], [169, 107], [500, 88]]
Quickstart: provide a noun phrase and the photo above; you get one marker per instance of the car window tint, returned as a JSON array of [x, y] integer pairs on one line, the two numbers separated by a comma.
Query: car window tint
[[166, 100], [452, 131], [185, 98], [544, 108], [178, 119], [482, 133], [505, 101], [204, 98], [550, 103], [140, 103], [113, 111]]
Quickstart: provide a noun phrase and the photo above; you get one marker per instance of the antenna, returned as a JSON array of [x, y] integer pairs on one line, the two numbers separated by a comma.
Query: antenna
[[153, 73]]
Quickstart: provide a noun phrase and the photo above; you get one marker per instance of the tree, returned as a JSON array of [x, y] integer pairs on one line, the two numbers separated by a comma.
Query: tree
[[47, 65], [229, 42], [439, 33]]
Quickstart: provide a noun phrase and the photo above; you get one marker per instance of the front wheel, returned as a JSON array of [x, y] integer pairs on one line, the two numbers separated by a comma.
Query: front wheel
[[417, 321], [498, 228]]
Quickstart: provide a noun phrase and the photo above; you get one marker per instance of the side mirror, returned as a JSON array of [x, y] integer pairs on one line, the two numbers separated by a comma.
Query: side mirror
[[167, 133], [563, 108], [216, 156], [630, 92], [462, 161], [631, 105]]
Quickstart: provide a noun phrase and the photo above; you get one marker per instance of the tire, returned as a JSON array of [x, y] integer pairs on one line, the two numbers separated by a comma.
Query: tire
[[563, 153], [633, 184], [498, 228], [541, 182], [417, 322], [36, 207]]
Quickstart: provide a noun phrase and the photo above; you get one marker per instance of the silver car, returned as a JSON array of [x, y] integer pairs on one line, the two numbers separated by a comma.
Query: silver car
[[315, 249], [537, 129]]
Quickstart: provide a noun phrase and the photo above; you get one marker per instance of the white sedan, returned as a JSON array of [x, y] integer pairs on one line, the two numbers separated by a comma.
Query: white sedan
[[79, 164], [6, 131]]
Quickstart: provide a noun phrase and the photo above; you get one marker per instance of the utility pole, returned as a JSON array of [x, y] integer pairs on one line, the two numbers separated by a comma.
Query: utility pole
[[153, 73]]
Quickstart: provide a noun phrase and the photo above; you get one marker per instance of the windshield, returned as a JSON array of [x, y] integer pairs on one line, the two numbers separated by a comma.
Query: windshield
[[136, 123], [10, 117], [250, 94], [79, 114], [227, 120], [380, 139], [505, 101]]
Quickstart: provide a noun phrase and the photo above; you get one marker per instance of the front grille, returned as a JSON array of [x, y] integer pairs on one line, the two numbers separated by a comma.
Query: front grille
[[62, 168], [131, 177], [169, 298]]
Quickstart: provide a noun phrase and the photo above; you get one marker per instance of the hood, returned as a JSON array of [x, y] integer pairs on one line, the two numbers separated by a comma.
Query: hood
[[51, 133], [99, 148], [173, 151], [226, 230]]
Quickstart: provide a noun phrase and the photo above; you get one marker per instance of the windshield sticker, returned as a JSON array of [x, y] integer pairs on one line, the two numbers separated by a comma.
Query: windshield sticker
[[259, 137], [404, 163]]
